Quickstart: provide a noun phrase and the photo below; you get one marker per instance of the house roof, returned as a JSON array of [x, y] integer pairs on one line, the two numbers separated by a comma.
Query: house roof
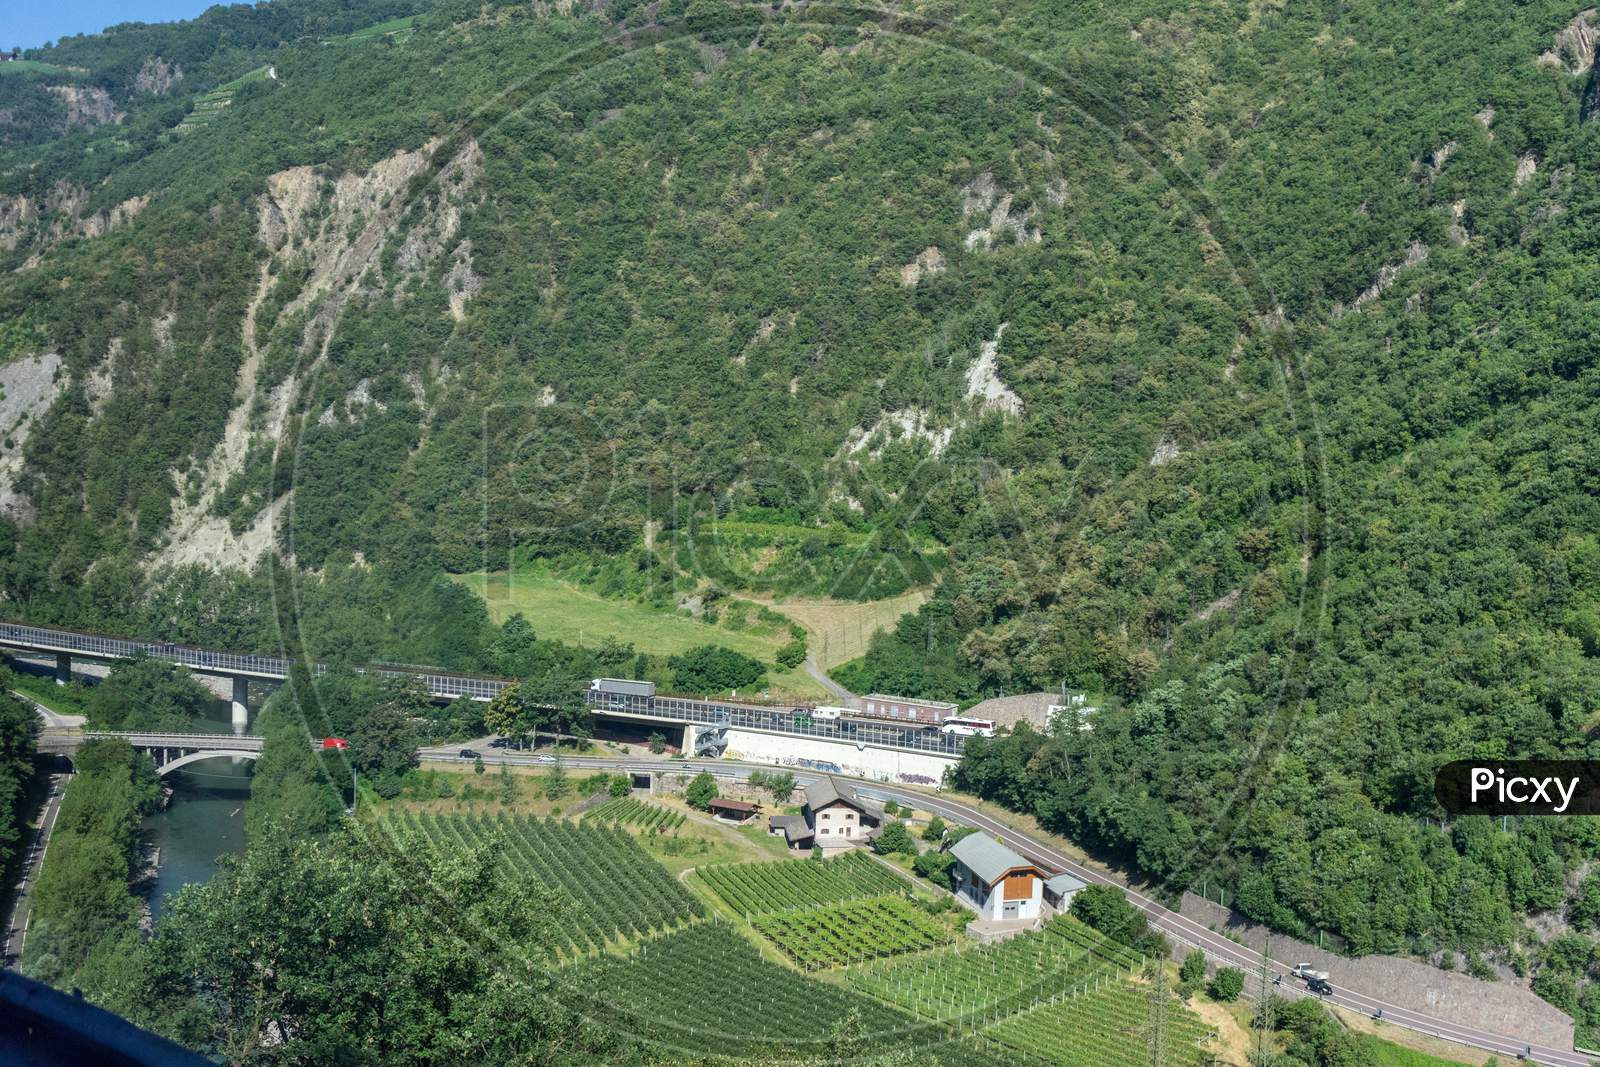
[[793, 826], [986, 857], [1064, 883], [825, 791], [724, 804]]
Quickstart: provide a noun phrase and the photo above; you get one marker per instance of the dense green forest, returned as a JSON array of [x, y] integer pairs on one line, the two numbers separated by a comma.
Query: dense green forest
[[84, 924], [19, 732], [1234, 360]]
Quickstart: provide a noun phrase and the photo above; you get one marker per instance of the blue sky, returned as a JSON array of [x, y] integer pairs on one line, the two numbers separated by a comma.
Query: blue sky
[[31, 23]]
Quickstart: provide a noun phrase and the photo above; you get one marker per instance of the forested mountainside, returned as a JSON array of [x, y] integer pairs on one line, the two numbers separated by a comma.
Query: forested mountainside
[[1233, 360]]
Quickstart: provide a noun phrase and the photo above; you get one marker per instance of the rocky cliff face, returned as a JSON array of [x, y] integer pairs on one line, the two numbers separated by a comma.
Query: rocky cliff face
[[87, 106], [157, 77], [333, 230], [38, 223]]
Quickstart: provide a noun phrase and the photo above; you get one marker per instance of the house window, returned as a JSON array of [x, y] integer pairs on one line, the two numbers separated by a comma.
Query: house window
[[825, 815], [823, 831]]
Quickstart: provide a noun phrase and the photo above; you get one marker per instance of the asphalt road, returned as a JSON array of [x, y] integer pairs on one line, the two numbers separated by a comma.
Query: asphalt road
[[1186, 931], [17, 929]]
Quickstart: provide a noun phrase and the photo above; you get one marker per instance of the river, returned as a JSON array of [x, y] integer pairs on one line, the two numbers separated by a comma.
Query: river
[[203, 822]]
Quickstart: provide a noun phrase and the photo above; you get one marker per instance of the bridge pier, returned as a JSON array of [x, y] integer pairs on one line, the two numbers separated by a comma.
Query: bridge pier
[[63, 668], [241, 703]]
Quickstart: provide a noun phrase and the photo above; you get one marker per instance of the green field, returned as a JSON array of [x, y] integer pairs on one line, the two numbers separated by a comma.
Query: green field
[[853, 931], [764, 888], [564, 611], [399, 28], [706, 992], [1388, 1054], [31, 66], [612, 890], [208, 106]]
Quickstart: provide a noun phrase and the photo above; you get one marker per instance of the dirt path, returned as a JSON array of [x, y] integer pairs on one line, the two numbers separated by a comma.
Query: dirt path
[[821, 678]]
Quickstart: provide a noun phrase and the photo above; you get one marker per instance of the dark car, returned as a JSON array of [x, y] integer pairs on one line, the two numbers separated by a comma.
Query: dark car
[[468, 753], [1320, 987]]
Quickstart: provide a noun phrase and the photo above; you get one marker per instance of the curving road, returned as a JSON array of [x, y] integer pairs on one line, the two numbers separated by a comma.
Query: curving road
[[1184, 930]]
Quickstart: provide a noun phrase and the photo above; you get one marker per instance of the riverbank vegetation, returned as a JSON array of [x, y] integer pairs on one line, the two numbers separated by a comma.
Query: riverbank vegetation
[[19, 738], [145, 694], [85, 915]]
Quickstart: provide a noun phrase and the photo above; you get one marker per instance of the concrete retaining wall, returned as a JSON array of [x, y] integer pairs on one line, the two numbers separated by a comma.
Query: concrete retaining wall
[[1498, 1006], [835, 757]]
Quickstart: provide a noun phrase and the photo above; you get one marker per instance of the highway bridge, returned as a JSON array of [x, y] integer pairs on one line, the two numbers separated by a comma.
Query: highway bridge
[[241, 667], [704, 723], [169, 751]]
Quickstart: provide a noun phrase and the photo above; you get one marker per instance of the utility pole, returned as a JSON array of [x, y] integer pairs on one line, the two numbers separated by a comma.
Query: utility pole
[[1264, 1018], [1156, 1028]]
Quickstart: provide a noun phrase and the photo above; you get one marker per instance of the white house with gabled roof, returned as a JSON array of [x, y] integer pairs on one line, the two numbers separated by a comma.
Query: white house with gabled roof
[[995, 881]]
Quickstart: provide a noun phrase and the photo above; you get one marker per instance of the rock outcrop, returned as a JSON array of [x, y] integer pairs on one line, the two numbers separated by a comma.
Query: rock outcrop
[[28, 387], [983, 378], [87, 106], [157, 77], [927, 262], [1573, 46]]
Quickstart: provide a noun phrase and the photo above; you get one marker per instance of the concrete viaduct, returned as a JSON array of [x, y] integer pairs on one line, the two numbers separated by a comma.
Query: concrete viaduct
[[885, 750], [242, 668]]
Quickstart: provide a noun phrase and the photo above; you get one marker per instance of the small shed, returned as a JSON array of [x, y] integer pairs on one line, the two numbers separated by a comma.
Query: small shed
[[793, 828], [995, 881], [1059, 890], [738, 811]]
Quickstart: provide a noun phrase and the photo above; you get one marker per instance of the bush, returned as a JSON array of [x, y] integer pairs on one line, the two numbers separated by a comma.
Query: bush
[[792, 654], [712, 668], [556, 783], [935, 867], [1557, 988], [658, 743], [702, 791], [935, 829], [894, 838], [620, 786], [1226, 984], [1193, 972], [779, 783], [1106, 908]]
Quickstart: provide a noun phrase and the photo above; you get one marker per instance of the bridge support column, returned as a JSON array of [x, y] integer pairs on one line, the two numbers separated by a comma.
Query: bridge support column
[[241, 703], [63, 668]]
